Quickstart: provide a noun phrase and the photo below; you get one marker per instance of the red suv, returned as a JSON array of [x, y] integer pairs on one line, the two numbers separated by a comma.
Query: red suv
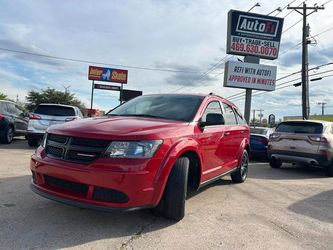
[[146, 153]]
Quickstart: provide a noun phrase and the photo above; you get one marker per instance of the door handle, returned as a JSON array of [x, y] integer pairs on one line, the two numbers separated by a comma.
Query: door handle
[[226, 133], [242, 132]]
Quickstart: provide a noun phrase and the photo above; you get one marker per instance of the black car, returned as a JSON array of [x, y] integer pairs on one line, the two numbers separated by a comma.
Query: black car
[[13, 121]]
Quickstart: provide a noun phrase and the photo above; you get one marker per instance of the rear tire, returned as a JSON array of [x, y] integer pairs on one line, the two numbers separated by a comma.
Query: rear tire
[[7, 136], [175, 191], [329, 170], [240, 175], [275, 163], [33, 142]]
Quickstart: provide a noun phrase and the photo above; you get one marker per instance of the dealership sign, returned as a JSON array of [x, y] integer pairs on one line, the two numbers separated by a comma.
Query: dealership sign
[[107, 74], [249, 76], [253, 34]]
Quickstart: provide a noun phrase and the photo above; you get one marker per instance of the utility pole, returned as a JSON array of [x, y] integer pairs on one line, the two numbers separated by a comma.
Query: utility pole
[[322, 107], [260, 114], [254, 117], [305, 64]]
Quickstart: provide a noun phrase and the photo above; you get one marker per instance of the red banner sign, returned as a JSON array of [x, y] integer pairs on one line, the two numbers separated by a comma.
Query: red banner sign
[[107, 74]]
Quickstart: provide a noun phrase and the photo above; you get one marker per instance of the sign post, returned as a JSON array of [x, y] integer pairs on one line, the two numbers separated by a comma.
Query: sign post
[[253, 36], [107, 75]]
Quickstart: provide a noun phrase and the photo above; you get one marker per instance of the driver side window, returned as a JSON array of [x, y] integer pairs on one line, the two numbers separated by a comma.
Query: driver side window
[[213, 107]]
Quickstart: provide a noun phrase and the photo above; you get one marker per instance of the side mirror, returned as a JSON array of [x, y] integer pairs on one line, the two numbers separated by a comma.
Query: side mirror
[[214, 119]]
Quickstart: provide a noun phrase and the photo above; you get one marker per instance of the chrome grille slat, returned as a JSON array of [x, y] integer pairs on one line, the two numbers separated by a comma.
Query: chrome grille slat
[[75, 149]]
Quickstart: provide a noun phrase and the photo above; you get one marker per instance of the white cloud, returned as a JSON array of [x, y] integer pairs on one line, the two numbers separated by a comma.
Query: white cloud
[[177, 34]]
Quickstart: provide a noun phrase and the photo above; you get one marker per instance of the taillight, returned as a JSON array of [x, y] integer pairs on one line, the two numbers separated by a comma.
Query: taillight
[[274, 136], [317, 138], [34, 117], [70, 119], [1, 116]]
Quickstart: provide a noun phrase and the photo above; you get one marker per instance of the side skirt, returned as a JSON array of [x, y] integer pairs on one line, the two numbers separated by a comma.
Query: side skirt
[[205, 183]]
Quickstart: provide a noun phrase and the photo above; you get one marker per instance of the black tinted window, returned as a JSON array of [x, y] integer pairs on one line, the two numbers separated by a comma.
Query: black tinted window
[[172, 107], [229, 116], [300, 127], [55, 110]]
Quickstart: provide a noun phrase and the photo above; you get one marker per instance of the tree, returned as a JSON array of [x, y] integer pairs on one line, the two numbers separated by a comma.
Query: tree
[[49, 95], [3, 96]]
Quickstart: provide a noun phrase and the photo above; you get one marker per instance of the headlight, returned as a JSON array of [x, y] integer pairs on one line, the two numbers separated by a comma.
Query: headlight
[[133, 149], [43, 142]]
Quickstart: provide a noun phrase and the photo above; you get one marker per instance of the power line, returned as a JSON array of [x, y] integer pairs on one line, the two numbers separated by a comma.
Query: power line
[[98, 63]]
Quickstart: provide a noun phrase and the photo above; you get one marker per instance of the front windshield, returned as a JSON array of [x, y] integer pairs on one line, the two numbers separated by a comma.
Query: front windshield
[[171, 107]]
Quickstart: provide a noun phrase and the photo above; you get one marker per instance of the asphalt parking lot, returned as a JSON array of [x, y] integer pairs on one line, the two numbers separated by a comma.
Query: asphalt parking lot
[[288, 208]]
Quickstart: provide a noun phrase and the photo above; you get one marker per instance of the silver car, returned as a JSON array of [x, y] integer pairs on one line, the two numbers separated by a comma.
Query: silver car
[[46, 115], [309, 142]]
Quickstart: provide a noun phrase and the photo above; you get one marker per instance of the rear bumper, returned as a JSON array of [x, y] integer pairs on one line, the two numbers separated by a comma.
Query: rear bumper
[[297, 157], [34, 135]]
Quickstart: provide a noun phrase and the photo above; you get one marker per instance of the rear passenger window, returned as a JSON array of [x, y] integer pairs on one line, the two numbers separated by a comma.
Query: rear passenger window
[[229, 116], [55, 110], [300, 127], [240, 118], [2, 107]]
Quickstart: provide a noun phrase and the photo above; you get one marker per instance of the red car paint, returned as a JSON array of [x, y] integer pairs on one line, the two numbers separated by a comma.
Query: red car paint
[[219, 149]]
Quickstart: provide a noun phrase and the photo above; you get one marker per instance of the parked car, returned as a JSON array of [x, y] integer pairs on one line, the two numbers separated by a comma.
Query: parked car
[[13, 121], [308, 142], [47, 114], [259, 140], [146, 153]]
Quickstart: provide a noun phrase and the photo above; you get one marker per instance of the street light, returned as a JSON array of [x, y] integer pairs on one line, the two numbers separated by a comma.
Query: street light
[[256, 5], [277, 9]]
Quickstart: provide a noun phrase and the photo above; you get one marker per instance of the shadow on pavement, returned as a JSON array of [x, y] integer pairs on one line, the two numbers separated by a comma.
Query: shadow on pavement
[[286, 172], [29, 221], [319, 207], [17, 143]]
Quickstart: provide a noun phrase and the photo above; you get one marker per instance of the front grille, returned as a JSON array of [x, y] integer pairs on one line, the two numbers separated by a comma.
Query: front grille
[[109, 195], [54, 151], [70, 186], [75, 149]]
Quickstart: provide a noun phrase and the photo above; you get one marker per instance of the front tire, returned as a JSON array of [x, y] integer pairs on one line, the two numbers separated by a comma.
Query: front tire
[[7, 136], [175, 192], [33, 142], [275, 163], [240, 175]]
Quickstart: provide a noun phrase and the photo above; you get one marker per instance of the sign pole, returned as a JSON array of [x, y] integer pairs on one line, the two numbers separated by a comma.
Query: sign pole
[[248, 93], [121, 94], [92, 96]]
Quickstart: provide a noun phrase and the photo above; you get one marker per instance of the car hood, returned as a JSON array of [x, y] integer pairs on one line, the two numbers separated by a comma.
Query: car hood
[[119, 127]]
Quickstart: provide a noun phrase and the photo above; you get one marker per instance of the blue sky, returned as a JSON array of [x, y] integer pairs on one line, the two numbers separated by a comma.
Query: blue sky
[[177, 35]]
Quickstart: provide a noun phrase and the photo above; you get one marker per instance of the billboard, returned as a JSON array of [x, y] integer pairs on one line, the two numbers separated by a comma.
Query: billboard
[[107, 74], [106, 87], [249, 76], [253, 34]]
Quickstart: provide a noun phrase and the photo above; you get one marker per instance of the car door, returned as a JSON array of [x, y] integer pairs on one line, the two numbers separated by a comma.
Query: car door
[[234, 134], [211, 143]]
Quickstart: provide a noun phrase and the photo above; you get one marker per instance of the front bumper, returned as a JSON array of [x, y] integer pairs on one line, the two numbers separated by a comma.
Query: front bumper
[[97, 185]]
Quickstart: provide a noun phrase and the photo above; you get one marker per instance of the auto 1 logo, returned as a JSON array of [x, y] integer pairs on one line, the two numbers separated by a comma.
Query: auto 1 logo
[[257, 26]]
